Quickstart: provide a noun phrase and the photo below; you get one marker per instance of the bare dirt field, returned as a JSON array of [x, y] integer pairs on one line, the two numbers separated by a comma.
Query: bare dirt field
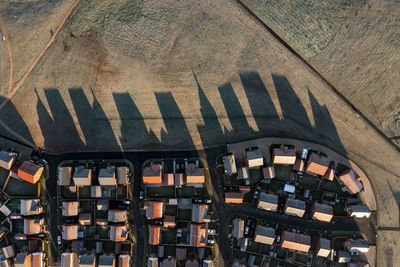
[[353, 44], [130, 75]]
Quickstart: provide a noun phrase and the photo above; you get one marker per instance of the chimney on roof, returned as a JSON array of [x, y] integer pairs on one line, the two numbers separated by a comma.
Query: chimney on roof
[[284, 148]]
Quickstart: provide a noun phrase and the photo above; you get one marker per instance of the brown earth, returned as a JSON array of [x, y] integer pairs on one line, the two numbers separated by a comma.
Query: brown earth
[[126, 75], [353, 44]]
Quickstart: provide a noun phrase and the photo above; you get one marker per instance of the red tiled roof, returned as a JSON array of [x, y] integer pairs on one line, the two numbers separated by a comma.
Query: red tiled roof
[[198, 235], [30, 172], [317, 164], [154, 234], [152, 175]]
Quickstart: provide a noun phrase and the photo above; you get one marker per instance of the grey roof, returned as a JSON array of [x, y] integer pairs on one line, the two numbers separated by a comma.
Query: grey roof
[[117, 215], [6, 158], [238, 226], [122, 174], [64, 176], [96, 191], [19, 260], [152, 262], [107, 176], [102, 204], [106, 260], [200, 213], [8, 251], [268, 201], [229, 164], [69, 259], [265, 235], [87, 260], [81, 175], [295, 207], [243, 173], [30, 206]]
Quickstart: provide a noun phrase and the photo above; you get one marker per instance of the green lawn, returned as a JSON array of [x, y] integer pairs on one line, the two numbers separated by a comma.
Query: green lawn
[[21, 188], [184, 214], [283, 172]]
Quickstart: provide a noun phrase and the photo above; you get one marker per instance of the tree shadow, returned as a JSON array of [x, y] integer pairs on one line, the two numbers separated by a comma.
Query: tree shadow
[[132, 122], [177, 134], [12, 121]]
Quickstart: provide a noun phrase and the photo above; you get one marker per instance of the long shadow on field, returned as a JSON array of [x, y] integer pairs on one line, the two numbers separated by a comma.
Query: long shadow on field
[[13, 120], [176, 129], [58, 124], [94, 123], [210, 118], [132, 122]]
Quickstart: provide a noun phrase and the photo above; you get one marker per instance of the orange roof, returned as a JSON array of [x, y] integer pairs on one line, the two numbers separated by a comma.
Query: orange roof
[[233, 197], [296, 241], [168, 179], [85, 218], [244, 189], [152, 175], [70, 231], [330, 174], [198, 235], [179, 179], [169, 221], [118, 233], [283, 155], [154, 234], [124, 260], [154, 209], [33, 226], [350, 179], [194, 175], [70, 208], [101, 221], [317, 164], [37, 259], [322, 212], [30, 172]]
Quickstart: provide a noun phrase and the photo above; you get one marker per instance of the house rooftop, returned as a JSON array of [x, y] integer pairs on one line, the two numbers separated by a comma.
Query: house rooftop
[[295, 241], [119, 233], [283, 155], [194, 175], [152, 175], [317, 164], [30, 207], [198, 235], [154, 209], [107, 176]]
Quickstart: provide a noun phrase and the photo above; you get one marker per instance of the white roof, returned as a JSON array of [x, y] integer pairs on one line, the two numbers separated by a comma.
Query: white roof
[[229, 164], [289, 188], [254, 158]]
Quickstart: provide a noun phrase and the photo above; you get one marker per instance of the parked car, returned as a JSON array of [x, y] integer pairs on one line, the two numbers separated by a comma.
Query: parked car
[[238, 163], [246, 230], [256, 194], [141, 194], [212, 231], [59, 240]]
